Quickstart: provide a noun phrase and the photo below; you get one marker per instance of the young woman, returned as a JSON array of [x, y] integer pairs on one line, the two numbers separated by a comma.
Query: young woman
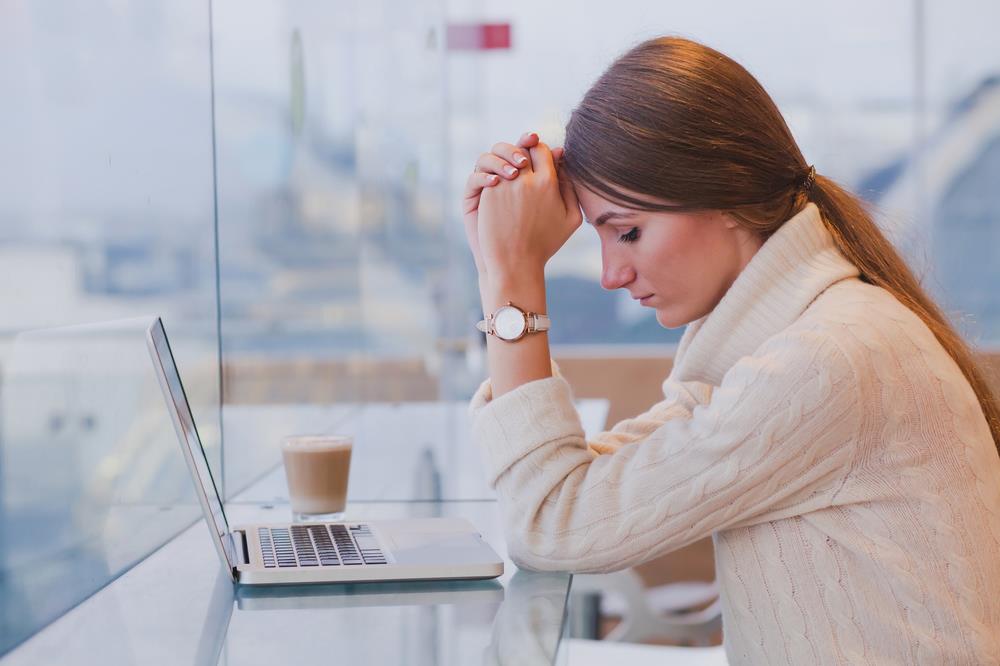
[[822, 421]]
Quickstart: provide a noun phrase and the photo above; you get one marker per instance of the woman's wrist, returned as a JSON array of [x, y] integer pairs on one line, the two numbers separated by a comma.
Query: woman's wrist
[[517, 363], [525, 289]]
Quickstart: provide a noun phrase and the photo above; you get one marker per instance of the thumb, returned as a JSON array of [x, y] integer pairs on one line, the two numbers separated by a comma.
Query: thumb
[[570, 200], [565, 186]]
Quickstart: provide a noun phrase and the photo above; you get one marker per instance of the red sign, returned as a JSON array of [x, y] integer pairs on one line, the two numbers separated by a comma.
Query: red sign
[[478, 36]]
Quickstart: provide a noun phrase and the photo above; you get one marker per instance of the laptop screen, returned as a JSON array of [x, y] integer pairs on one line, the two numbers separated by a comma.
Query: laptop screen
[[194, 453]]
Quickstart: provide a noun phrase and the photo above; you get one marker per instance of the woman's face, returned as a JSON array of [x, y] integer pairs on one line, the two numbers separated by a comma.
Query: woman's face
[[680, 264]]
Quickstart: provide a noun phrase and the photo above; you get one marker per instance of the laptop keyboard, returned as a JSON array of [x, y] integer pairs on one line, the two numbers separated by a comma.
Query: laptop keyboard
[[319, 545]]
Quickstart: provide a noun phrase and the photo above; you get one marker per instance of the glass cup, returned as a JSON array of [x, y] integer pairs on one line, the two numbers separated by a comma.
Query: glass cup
[[317, 469]]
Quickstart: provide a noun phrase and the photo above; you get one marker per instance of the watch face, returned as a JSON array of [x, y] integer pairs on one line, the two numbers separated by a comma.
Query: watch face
[[509, 323]]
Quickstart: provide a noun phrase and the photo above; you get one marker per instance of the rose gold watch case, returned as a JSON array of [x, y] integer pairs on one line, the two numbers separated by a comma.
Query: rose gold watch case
[[530, 323]]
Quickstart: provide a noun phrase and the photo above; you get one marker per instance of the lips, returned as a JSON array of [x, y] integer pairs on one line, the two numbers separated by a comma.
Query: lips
[[643, 299]]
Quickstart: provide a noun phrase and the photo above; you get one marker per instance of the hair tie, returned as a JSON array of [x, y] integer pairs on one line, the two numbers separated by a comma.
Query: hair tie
[[810, 178]]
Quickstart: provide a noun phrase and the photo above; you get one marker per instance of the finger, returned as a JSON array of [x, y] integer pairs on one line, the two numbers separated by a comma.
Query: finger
[[528, 139], [541, 160], [491, 163], [474, 186], [511, 153], [557, 156]]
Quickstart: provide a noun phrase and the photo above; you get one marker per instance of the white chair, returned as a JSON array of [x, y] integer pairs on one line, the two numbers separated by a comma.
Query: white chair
[[660, 612], [667, 612]]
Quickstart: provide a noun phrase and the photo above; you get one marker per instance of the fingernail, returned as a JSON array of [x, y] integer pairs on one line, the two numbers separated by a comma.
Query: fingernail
[[520, 160], [493, 179], [510, 171]]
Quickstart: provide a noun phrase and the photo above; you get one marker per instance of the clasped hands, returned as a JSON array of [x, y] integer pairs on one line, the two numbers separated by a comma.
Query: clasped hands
[[518, 211]]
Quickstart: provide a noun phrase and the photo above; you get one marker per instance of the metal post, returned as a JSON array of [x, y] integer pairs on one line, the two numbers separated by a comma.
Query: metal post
[[584, 614]]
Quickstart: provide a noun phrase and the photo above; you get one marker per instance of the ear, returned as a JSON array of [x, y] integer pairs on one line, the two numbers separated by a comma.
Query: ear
[[729, 220]]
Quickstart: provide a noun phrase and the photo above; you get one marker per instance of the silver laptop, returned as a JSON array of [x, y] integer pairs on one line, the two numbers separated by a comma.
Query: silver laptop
[[350, 551]]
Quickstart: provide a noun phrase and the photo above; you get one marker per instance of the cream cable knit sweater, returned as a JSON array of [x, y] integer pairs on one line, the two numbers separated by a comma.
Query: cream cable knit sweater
[[817, 430]]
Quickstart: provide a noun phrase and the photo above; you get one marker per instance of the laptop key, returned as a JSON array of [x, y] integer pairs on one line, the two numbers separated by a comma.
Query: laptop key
[[266, 548]]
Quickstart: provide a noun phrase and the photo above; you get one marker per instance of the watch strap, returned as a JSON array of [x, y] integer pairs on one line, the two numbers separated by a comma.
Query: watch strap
[[538, 323]]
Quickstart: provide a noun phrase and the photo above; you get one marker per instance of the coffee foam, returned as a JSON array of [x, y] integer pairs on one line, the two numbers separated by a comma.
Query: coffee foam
[[306, 443]]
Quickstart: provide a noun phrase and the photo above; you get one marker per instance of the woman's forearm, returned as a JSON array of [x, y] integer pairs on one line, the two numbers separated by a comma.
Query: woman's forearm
[[512, 364]]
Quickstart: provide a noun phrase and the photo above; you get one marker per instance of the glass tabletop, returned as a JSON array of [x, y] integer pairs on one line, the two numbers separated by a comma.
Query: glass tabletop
[[93, 530], [180, 606]]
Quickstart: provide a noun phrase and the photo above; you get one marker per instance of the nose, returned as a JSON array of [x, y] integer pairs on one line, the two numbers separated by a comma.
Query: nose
[[616, 272]]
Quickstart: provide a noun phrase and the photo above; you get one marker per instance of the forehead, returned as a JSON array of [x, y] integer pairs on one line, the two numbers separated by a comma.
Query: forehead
[[590, 198], [598, 209], [594, 205]]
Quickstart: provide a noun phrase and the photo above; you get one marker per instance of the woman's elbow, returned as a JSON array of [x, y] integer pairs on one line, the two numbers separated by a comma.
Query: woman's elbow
[[563, 560], [522, 555]]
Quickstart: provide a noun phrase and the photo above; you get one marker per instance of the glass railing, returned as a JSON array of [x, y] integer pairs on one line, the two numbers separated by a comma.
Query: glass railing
[[91, 475]]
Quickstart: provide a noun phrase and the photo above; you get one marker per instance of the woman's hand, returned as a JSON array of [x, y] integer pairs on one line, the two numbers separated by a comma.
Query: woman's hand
[[504, 161], [523, 222]]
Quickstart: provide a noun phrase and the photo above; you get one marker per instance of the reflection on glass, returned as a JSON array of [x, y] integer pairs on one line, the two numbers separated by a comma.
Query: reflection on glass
[[527, 627], [92, 476], [105, 213], [430, 622], [351, 595]]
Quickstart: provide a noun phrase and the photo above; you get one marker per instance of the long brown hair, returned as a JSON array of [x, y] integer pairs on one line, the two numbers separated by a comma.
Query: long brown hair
[[678, 121]]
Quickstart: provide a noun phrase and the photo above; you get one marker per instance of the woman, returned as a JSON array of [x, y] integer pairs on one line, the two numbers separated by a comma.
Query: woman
[[822, 421]]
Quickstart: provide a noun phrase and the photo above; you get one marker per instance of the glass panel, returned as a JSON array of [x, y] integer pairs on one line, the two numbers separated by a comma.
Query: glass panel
[[331, 221], [289, 213], [106, 212], [92, 476], [960, 160]]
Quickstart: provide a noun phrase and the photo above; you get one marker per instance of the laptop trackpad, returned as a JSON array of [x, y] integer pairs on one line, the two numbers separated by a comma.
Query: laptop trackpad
[[430, 548]]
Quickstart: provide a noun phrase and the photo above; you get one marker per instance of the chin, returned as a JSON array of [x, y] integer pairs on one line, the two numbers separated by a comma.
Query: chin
[[669, 318]]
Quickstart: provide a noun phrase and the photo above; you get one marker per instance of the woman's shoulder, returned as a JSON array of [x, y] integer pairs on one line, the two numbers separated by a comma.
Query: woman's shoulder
[[870, 325], [855, 303]]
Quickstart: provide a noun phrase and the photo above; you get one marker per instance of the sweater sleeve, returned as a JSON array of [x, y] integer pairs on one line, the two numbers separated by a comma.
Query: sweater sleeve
[[780, 428], [679, 399]]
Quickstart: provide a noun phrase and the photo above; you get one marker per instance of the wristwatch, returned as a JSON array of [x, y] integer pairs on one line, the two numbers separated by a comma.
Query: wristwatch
[[511, 323]]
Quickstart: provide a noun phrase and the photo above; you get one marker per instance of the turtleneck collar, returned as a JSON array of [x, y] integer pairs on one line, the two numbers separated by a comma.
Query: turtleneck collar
[[794, 266]]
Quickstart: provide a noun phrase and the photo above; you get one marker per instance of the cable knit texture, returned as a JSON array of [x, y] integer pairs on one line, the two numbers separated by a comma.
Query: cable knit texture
[[818, 431]]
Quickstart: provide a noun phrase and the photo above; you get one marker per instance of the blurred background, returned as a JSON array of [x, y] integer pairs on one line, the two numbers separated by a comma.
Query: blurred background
[[280, 181]]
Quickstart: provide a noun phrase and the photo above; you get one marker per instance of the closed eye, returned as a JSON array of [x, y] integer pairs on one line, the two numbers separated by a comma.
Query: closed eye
[[630, 237]]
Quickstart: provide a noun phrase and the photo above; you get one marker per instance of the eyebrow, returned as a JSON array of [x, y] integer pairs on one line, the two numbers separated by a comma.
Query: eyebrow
[[610, 215]]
